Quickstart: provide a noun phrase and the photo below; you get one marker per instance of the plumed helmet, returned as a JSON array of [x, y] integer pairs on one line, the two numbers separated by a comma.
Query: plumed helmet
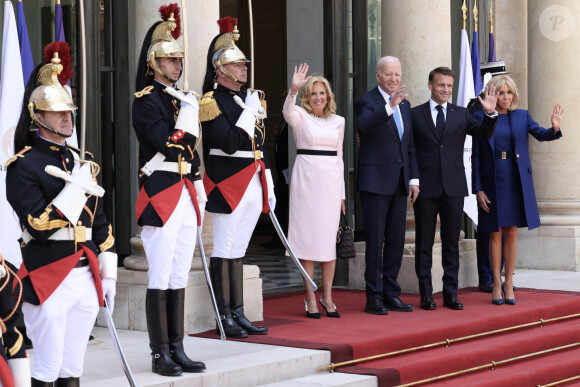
[[163, 42], [224, 49], [49, 94]]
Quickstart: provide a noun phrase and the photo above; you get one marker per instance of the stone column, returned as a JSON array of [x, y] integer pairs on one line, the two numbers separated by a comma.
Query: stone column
[[409, 33], [511, 42], [554, 53]]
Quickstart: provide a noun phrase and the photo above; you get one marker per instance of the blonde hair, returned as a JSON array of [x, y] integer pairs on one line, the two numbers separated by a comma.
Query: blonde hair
[[501, 81], [330, 107]]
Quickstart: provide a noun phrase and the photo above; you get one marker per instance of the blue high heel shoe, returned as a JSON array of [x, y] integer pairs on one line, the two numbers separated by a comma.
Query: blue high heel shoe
[[509, 301], [499, 301]]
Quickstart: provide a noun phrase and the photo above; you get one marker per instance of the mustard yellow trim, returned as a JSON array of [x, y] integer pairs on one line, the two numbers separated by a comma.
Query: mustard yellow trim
[[170, 145], [18, 345], [145, 91], [109, 242], [42, 223], [16, 156], [265, 107], [208, 107]]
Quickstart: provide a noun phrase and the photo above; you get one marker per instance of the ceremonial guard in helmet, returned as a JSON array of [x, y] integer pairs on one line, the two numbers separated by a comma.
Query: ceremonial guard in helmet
[[69, 263], [237, 178], [14, 362], [171, 201]]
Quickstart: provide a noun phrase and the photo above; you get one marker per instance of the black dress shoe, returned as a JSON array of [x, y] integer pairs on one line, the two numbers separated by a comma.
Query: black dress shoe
[[375, 306], [427, 303], [486, 287], [395, 303], [452, 302]]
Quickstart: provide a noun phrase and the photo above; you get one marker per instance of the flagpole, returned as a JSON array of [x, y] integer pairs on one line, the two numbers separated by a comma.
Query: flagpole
[[83, 76], [185, 46]]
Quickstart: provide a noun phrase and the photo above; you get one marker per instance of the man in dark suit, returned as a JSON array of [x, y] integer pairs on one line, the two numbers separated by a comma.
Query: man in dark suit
[[387, 174], [440, 129]]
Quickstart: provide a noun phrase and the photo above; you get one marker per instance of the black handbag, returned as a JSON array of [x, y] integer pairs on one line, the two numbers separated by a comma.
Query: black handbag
[[344, 240]]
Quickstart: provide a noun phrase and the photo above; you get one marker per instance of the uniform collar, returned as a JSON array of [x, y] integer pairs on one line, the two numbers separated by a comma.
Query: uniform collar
[[227, 91], [50, 147]]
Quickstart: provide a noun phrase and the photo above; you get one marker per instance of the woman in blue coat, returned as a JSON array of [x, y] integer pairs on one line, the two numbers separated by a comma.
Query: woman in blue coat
[[503, 183]]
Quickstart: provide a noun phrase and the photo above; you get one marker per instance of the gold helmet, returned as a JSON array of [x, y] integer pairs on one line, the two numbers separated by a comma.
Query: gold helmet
[[225, 50], [50, 95], [163, 43]]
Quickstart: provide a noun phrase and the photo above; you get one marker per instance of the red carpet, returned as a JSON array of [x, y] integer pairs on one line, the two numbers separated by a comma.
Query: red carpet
[[358, 334]]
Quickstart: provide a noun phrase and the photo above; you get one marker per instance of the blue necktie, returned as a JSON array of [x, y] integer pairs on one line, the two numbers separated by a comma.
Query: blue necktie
[[440, 121], [397, 117]]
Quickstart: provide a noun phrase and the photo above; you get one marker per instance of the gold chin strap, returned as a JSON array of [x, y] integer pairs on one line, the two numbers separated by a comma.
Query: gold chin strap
[[42, 124]]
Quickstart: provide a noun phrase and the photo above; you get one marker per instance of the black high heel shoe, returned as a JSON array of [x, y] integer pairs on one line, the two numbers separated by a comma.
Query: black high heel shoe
[[308, 314], [329, 314]]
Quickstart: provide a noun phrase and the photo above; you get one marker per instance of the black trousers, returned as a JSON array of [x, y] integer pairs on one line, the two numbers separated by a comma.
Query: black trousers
[[384, 219], [450, 210]]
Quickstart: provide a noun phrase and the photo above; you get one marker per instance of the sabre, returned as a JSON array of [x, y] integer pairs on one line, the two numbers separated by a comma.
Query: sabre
[[209, 285], [83, 78], [311, 283], [117, 344]]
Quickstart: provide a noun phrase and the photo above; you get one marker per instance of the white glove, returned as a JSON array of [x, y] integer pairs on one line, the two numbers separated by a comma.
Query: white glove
[[271, 196], [109, 291], [251, 112], [71, 200], [20, 368], [200, 189], [201, 197], [253, 101], [188, 118]]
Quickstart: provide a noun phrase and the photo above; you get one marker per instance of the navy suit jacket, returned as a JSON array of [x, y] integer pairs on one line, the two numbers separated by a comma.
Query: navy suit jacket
[[383, 155], [483, 166], [440, 159]]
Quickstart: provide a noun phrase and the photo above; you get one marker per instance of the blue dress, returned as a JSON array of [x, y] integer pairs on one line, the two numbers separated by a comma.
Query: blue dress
[[510, 199]]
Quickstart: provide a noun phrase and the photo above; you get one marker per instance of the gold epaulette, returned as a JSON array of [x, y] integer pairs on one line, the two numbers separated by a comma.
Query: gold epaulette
[[145, 91], [208, 107], [79, 151], [265, 108], [17, 155]]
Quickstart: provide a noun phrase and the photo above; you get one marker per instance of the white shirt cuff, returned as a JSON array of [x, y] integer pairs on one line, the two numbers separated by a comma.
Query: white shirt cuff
[[492, 115], [414, 182], [389, 109]]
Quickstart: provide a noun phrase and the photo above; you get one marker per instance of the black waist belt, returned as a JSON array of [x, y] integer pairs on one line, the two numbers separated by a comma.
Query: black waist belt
[[315, 152], [82, 263], [505, 155]]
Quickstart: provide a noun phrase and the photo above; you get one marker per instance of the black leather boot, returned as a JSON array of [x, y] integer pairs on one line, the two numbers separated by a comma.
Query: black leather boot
[[175, 330], [67, 382], [156, 311], [237, 299], [220, 279], [40, 383]]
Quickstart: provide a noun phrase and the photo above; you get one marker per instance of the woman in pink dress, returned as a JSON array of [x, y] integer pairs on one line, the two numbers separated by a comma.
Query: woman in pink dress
[[317, 183]]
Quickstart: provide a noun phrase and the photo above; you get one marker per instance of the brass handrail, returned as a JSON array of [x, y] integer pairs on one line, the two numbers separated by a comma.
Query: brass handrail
[[560, 381], [492, 364], [446, 342]]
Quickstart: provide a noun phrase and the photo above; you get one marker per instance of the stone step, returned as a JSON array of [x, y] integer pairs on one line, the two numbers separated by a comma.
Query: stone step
[[328, 379], [229, 363]]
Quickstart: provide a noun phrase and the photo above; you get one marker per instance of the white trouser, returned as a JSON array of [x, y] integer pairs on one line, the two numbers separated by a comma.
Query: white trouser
[[232, 232], [169, 249], [61, 326]]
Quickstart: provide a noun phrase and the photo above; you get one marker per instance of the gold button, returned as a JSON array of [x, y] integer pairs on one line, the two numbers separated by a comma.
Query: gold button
[[69, 172], [66, 160]]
